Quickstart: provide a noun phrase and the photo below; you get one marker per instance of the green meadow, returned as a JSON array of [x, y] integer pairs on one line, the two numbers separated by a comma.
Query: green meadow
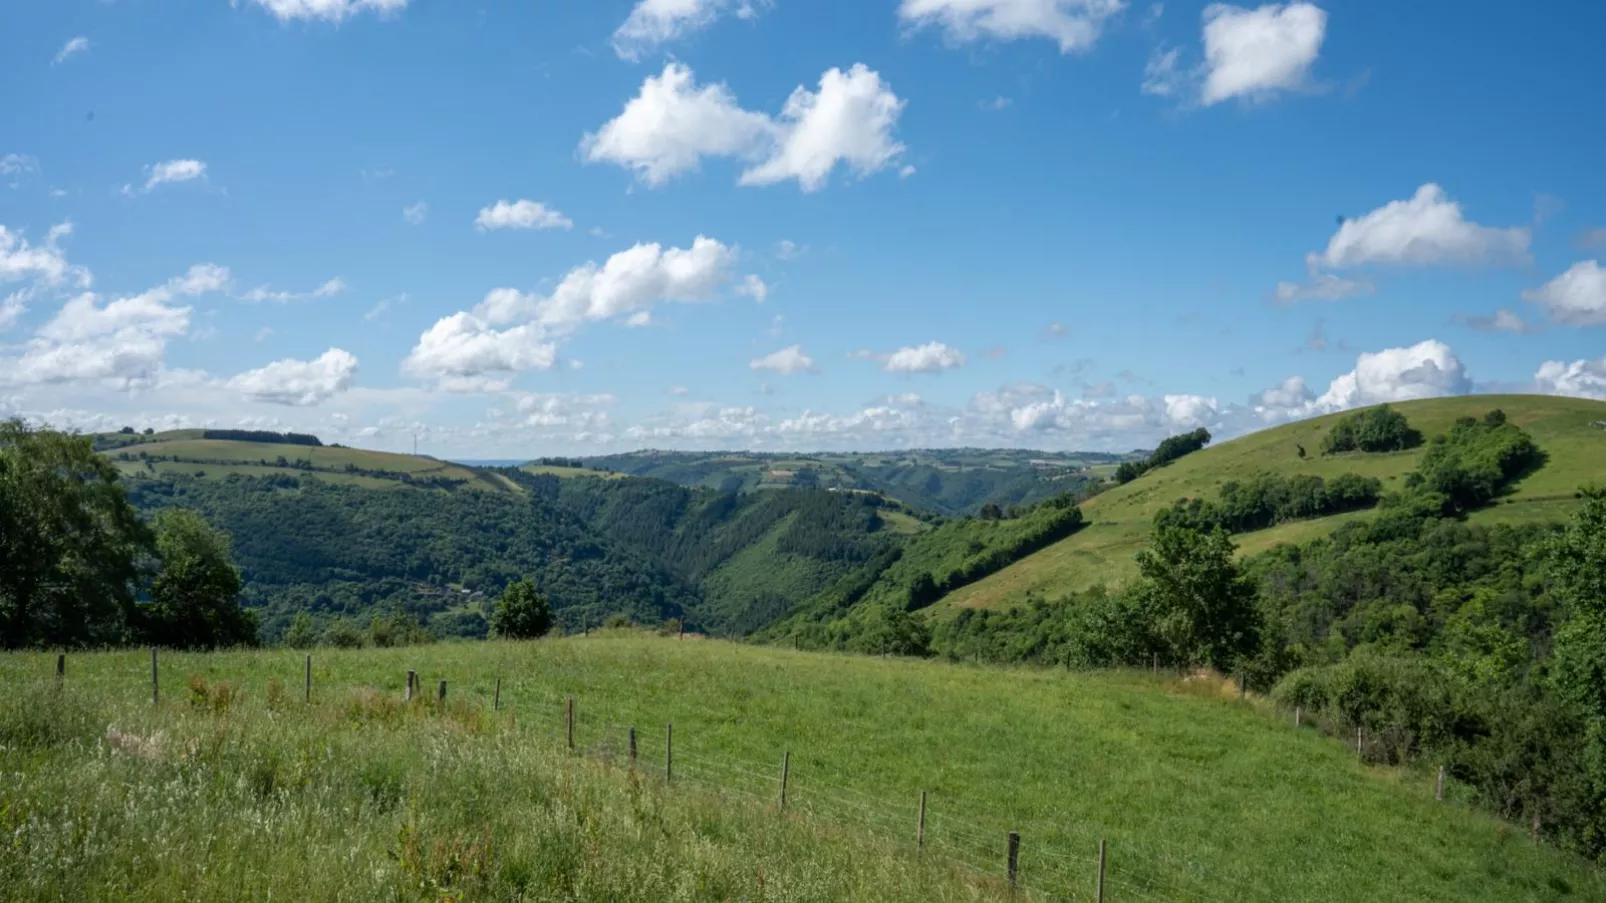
[[234, 786]]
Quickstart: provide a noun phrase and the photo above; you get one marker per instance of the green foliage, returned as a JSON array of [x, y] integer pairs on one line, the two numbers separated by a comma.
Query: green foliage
[[522, 613], [343, 633], [70, 543], [302, 633], [1267, 499], [1473, 462], [397, 629], [263, 436], [195, 598], [1379, 429], [1200, 606], [1167, 451]]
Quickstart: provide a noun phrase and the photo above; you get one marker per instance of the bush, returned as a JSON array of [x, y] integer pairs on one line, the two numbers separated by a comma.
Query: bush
[[1169, 450], [1379, 429], [521, 613]]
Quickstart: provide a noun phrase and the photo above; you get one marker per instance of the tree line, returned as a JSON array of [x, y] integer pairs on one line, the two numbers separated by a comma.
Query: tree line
[[1167, 451]]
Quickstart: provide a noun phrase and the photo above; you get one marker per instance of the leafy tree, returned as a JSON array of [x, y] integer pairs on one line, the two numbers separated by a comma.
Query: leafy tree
[[895, 632], [521, 613], [923, 591], [1201, 607], [195, 597], [70, 543], [343, 633], [1576, 561], [302, 633], [1379, 429]]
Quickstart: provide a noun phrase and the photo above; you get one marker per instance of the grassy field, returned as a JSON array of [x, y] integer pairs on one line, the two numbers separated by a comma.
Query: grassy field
[[357, 797], [1121, 517], [218, 458]]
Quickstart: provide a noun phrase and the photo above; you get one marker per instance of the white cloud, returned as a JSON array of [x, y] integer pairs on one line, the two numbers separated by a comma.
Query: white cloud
[[1322, 287], [12, 309], [383, 307], [1427, 369], [932, 357], [672, 124], [264, 294], [1576, 297], [787, 249], [850, 121], [415, 214], [120, 343], [1190, 411], [520, 215], [655, 22], [464, 347], [679, 390], [72, 48], [1073, 24], [1161, 77], [787, 362], [173, 172], [18, 165], [754, 287], [1429, 229], [46, 263], [1501, 320], [1254, 53], [463, 352], [329, 10], [299, 383], [1291, 393], [1584, 379]]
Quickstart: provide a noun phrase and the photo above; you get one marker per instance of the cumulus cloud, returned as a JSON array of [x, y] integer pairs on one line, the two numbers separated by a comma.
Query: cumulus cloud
[[1426, 230], [932, 357], [1428, 369], [1256, 53], [263, 293], [46, 263], [1576, 297], [463, 348], [71, 49], [120, 343], [335, 11], [299, 383], [673, 123], [1584, 379], [787, 362], [520, 214], [172, 172], [1072, 24], [1190, 411], [652, 23], [12, 309], [1291, 393]]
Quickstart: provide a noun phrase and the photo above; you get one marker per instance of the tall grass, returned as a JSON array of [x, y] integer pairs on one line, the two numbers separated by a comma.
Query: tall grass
[[247, 792]]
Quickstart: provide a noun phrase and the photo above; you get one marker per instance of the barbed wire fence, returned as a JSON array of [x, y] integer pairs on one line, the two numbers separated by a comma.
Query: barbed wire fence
[[1082, 864]]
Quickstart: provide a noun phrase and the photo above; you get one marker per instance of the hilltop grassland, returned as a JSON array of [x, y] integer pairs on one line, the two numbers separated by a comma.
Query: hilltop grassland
[[252, 793], [1120, 518]]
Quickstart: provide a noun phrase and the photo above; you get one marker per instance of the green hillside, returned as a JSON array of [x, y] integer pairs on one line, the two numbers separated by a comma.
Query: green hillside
[[220, 796], [189, 452], [1120, 518], [951, 482]]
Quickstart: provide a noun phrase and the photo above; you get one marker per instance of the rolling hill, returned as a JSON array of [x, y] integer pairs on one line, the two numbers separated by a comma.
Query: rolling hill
[[1120, 518]]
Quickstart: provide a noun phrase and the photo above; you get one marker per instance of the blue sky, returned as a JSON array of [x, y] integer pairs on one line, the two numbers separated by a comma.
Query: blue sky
[[521, 228]]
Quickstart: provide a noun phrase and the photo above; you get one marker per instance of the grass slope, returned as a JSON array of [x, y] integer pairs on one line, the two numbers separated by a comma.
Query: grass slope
[[217, 458], [1121, 517], [1201, 798]]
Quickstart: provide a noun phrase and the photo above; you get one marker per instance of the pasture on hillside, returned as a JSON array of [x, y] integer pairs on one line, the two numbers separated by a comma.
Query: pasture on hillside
[[250, 791], [1120, 518]]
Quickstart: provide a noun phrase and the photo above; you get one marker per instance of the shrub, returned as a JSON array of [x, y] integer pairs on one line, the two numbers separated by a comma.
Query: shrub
[[1379, 429], [521, 613]]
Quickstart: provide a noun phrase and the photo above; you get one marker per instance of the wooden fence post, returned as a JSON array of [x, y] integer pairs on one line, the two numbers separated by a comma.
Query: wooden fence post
[[1299, 714], [1099, 898], [496, 701], [920, 824], [1014, 857], [1154, 665], [1535, 835], [786, 768], [1360, 752], [669, 751], [155, 681], [1438, 791], [1243, 685], [309, 678], [61, 669], [412, 681], [443, 693], [568, 718], [632, 746]]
